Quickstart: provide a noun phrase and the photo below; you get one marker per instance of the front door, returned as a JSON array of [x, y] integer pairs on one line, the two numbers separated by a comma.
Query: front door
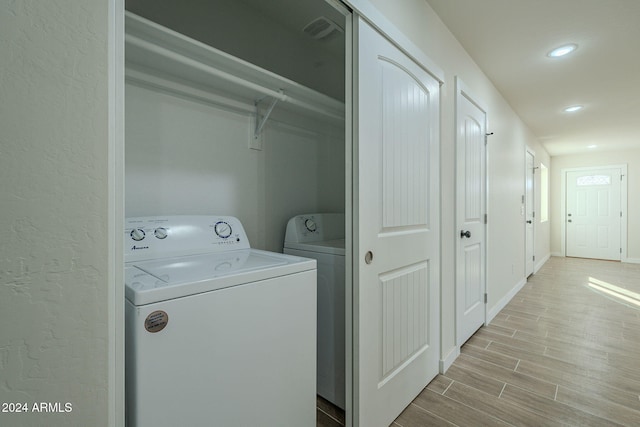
[[396, 288], [470, 213], [594, 214]]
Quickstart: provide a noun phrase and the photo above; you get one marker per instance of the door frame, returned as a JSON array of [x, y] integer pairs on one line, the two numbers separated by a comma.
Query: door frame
[[350, 225], [530, 151], [461, 89], [115, 213], [623, 206]]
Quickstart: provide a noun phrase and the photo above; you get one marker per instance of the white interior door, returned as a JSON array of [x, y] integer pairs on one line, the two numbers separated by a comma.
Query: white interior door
[[529, 210], [470, 211], [593, 213], [396, 311]]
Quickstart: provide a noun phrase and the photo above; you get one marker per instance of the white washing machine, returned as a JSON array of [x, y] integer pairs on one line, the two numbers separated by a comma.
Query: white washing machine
[[217, 333], [321, 236]]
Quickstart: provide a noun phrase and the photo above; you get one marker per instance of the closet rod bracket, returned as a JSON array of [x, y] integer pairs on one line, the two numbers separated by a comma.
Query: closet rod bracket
[[261, 121]]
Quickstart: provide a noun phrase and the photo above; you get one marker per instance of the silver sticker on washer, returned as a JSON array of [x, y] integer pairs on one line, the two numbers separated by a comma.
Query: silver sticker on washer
[[156, 321]]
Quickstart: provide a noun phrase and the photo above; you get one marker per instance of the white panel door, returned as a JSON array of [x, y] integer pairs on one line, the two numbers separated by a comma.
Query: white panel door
[[529, 214], [593, 220], [396, 313], [470, 210]]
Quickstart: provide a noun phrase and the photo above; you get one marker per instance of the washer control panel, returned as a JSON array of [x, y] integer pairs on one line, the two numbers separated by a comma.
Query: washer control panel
[[163, 236], [315, 227]]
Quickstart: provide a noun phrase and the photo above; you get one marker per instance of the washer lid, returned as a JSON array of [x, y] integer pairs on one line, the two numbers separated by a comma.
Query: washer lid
[[163, 279], [332, 247]]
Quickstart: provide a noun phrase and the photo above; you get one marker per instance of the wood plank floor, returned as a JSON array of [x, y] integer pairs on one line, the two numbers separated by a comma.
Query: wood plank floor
[[564, 351]]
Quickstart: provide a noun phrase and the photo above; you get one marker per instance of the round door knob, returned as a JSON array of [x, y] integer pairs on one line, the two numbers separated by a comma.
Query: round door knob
[[464, 234], [529, 222]]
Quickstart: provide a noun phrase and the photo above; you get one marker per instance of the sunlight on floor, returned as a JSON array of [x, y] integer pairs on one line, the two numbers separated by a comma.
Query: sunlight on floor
[[615, 291]]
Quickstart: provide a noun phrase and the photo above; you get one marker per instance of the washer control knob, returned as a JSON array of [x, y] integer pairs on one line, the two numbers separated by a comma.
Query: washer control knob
[[137, 234], [311, 225], [160, 233], [223, 229]]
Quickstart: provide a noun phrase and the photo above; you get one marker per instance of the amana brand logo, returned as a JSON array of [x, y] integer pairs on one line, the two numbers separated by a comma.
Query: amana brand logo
[[137, 248]]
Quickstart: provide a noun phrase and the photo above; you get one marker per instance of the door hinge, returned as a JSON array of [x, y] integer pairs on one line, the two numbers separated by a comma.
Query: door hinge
[[620, 214], [534, 214], [485, 218], [620, 250], [486, 298], [534, 257], [485, 137]]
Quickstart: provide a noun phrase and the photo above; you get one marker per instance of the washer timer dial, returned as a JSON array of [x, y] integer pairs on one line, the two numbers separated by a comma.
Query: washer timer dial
[[137, 234], [310, 224], [222, 229], [160, 233]]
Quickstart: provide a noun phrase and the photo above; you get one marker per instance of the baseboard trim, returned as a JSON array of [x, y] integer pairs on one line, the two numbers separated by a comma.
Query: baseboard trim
[[505, 300], [627, 260], [449, 359]]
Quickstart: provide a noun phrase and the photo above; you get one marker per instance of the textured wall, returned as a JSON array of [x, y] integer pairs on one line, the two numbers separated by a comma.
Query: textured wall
[[53, 211]]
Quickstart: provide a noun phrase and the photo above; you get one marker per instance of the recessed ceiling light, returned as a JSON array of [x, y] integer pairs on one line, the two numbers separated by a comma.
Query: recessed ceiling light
[[592, 146], [562, 50], [573, 108]]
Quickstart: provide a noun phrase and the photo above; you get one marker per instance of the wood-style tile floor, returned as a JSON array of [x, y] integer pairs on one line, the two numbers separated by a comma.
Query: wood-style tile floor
[[327, 414], [564, 351]]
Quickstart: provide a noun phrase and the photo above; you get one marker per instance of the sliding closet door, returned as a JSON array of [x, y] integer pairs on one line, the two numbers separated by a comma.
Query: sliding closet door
[[396, 312]]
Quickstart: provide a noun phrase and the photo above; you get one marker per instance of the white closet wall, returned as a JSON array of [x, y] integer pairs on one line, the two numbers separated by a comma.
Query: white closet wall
[[184, 156], [188, 133]]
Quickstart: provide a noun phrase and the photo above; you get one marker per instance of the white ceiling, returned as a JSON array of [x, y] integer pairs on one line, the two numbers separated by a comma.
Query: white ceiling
[[509, 40]]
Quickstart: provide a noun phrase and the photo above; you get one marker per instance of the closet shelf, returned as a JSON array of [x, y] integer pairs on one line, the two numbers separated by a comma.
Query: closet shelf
[[169, 60]]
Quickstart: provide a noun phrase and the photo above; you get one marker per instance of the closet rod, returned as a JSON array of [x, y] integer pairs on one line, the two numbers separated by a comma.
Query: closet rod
[[150, 47], [320, 110]]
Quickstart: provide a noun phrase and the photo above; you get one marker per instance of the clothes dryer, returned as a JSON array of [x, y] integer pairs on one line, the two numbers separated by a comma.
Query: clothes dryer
[[321, 237], [217, 333]]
